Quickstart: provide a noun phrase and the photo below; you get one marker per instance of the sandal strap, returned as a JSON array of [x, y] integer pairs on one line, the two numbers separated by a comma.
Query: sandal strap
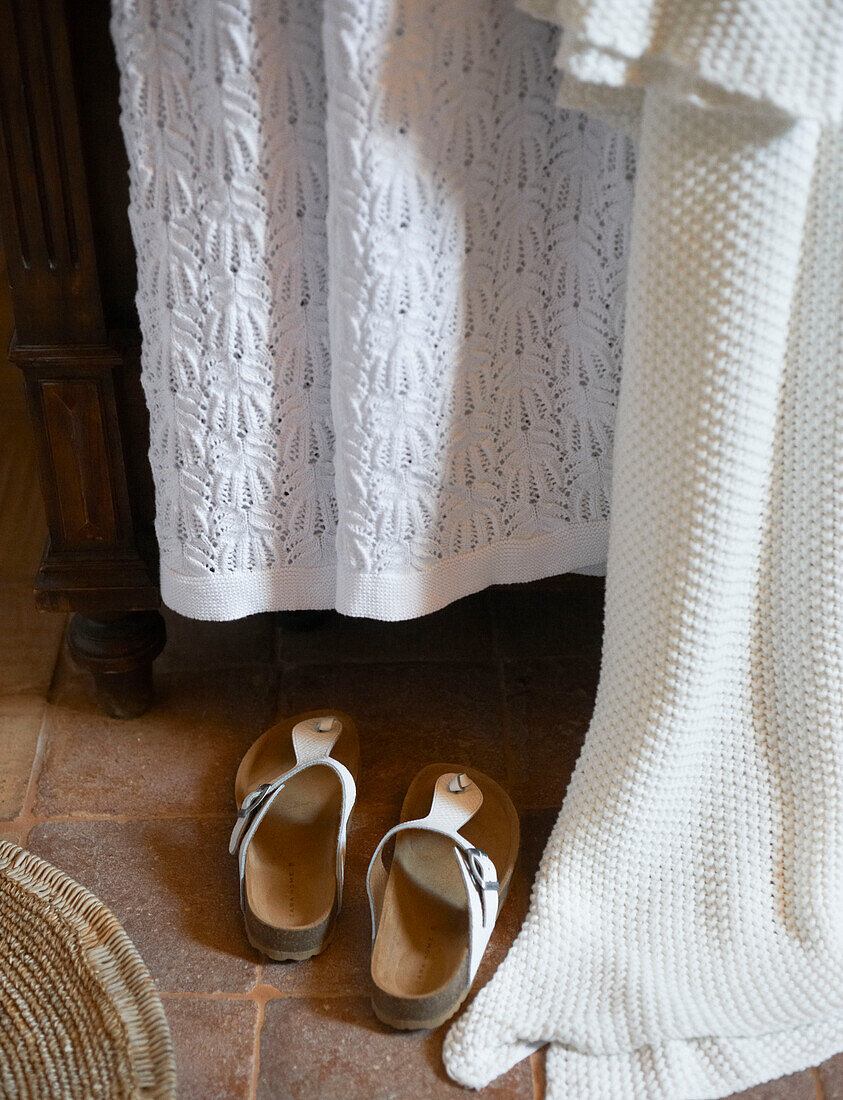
[[313, 740], [456, 799]]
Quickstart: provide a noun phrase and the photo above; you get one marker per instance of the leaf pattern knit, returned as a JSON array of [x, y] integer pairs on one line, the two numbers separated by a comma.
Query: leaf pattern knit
[[685, 933], [382, 310]]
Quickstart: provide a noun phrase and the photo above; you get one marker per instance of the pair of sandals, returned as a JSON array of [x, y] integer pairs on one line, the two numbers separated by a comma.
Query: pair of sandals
[[433, 910]]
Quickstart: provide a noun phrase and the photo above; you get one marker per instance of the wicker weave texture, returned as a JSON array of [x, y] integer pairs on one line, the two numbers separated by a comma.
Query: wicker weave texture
[[79, 1014]]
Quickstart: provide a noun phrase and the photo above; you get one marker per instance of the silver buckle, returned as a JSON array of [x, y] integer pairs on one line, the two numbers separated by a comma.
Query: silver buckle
[[246, 812], [252, 799], [478, 863]]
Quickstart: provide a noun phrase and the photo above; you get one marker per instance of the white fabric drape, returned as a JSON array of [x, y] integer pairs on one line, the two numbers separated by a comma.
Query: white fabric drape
[[381, 289], [685, 934]]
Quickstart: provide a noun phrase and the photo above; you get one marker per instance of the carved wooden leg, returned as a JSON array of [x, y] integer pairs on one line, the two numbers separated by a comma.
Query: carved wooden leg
[[119, 651]]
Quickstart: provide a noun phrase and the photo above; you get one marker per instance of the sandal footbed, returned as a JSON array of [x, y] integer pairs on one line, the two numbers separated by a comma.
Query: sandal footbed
[[419, 963], [290, 891]]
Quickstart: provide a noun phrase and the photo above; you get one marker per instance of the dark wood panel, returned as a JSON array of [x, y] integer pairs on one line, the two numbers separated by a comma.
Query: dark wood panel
[[78, 433], [97, 86], [44, 218], [74, 423]]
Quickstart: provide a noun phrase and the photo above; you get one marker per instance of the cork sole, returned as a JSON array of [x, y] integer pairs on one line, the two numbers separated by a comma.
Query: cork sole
[[290, 871], [420, 956]]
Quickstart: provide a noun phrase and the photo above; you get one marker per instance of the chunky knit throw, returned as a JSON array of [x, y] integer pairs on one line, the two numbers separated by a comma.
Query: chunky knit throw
[[685, 934]]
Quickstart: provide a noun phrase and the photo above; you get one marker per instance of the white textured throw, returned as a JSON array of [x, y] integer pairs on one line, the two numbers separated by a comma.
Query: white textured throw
[[685, 935], [381, 288]]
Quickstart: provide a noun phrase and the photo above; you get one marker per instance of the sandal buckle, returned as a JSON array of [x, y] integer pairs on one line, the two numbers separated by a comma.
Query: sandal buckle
[[247, 811], [483, 874]]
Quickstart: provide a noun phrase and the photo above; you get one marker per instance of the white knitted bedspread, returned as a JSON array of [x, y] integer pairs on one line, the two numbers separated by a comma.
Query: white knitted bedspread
[[685, 935], [381, 289]]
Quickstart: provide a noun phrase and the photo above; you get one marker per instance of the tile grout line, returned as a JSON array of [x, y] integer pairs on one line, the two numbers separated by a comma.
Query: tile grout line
[[217, 995], [37, 765], [537, 1068], [252, 1090], [260, 995], [25, 822], [818, 1085], [35, 770], [32, 819], [124, 819]]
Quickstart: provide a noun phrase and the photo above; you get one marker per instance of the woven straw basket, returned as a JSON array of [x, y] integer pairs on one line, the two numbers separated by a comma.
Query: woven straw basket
[[79, 1015]]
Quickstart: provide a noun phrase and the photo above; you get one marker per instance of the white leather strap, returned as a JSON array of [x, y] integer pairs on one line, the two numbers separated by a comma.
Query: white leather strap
[[313, 740], [456, 799]]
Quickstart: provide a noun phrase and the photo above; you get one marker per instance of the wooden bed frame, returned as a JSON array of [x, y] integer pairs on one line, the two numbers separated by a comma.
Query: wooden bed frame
[[71, 265]]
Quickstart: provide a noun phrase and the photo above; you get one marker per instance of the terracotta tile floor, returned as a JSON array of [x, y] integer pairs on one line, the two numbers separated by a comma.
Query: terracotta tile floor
[[139, 812]]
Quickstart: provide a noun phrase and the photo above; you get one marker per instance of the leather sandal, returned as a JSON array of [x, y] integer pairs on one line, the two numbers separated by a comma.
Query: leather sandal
[[295, 790], [434, 910]]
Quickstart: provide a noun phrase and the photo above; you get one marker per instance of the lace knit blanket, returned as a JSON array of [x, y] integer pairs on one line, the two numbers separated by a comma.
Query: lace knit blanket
[[685, 934], [381, 289]]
